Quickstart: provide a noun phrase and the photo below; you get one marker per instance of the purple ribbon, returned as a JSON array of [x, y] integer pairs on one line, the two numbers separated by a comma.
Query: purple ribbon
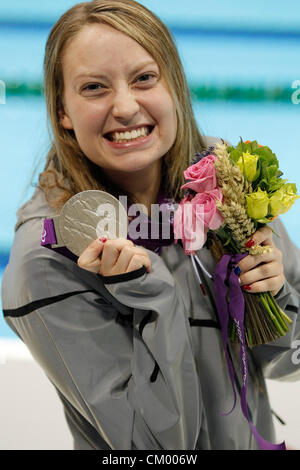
[[48, 239], [226, 281], [48, 236], [156, 244]]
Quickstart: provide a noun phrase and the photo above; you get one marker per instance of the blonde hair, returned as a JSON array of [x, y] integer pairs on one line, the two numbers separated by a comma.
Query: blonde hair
[[67, 170]]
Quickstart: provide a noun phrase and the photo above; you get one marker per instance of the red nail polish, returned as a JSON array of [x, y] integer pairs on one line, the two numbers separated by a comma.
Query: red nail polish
[[246, 287], [250, 243], [103, 239]]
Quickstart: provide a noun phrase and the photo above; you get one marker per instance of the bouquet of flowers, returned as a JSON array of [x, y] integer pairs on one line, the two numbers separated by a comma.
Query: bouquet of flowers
[[231, 192]]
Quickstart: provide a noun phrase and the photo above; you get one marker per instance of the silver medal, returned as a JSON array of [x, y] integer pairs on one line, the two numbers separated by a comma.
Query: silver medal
[[89, 215]]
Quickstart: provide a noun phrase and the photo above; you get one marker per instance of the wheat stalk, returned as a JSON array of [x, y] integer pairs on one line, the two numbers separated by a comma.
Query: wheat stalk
[[234, 187], [237, 220], [229, 177]]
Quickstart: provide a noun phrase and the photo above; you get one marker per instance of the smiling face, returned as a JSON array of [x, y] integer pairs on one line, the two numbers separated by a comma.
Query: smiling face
[[116, 101]]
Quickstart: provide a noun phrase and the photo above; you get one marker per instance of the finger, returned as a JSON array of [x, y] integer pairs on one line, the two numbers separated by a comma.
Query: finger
[[123, 260], [137, 262], [250, 261], [111, 252], [263, 236], [272, 284], [90, 258], [126, 254], [264, 271]]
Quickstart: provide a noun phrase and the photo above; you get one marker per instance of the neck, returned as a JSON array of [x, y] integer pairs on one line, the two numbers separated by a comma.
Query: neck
[[144, 185]]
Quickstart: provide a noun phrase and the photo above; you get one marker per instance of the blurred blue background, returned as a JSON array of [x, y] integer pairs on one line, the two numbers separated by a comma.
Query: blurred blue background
[[241, 60]]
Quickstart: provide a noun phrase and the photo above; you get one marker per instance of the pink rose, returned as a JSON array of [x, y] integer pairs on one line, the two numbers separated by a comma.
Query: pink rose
[[188, 228], [202, 175], [204, 206], [195, 216]]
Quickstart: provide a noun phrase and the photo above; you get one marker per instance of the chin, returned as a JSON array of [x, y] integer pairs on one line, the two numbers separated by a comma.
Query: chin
[[137, 164]]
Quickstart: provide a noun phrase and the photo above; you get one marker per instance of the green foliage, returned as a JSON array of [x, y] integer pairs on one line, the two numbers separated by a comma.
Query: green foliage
[[268, 177]]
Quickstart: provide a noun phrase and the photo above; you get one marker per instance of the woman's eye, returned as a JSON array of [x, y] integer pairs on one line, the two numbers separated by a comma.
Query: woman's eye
[[93, 87], [146, 77]]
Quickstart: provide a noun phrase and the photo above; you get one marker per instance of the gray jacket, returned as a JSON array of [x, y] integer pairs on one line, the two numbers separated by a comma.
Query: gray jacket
[[138, 359]]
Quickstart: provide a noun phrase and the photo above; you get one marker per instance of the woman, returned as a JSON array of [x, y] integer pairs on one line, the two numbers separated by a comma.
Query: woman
[[122, 333]]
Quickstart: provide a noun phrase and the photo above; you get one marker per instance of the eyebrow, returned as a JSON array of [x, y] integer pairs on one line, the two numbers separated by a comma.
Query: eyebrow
[[132, 73]]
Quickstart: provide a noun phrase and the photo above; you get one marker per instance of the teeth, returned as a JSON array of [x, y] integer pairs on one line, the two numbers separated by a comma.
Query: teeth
[[128, 136]]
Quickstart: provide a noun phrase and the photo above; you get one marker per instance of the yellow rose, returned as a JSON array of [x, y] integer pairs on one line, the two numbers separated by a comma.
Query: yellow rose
[[257, 204], [283, 199], [248, 166]]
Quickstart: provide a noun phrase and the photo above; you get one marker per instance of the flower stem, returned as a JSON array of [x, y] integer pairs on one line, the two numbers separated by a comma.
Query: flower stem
[[234, 246], [282, 313], [276, 312], [250, 339], [286, 318], [272, 316], [233, 332]]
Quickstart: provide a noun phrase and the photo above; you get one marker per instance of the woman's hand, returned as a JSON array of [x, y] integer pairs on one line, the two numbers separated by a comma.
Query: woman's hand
[[112, 257], [264, 272]]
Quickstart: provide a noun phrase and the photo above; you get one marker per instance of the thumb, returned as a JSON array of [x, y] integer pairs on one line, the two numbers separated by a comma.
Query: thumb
[[91, 254]]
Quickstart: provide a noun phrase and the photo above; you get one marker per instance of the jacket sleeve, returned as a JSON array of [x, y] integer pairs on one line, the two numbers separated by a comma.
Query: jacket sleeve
[[123, 359], [280, 359], [166, 341]]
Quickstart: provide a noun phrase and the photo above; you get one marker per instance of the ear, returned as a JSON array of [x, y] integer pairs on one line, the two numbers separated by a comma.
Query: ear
[[65, 120]]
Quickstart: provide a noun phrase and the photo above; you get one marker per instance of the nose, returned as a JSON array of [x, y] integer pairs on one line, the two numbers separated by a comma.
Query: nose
[[125, 105]]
